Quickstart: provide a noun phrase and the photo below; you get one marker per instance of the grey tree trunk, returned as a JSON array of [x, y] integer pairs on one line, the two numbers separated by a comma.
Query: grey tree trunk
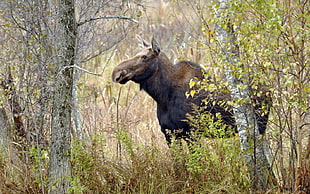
[[61, 128], [252, 145], [4, 128], [75, 111]]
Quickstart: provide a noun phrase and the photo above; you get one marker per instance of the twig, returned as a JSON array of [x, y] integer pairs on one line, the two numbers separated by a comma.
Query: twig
[[102, 51], [304, 125], [108, 17], [82, 69]]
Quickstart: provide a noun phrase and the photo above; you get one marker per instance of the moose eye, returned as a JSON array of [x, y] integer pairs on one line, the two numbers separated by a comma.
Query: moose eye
[[144, 57]]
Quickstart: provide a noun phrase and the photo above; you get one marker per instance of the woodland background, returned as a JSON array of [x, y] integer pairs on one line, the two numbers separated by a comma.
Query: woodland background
[[113, 139]]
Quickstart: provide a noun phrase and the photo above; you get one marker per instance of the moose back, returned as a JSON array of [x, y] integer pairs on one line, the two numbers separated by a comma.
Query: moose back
[[167, 84]]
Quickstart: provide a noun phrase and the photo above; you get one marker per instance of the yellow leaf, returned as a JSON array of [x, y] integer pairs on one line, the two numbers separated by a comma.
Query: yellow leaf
[[192, 93]]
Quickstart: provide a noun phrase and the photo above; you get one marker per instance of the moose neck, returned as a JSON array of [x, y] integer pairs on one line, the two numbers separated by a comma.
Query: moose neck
[[160, 86]]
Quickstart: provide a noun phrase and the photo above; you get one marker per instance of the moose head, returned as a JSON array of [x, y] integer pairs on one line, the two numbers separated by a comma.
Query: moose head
[[140, 67]]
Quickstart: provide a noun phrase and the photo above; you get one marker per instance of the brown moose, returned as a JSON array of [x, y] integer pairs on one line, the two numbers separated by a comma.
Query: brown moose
[[167, 84]]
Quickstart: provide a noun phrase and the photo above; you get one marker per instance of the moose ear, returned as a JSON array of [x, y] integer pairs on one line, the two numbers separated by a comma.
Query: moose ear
[[142, 43], [155, 46]]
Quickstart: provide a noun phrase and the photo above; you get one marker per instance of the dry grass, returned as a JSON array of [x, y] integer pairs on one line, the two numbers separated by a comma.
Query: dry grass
[[122, 109]]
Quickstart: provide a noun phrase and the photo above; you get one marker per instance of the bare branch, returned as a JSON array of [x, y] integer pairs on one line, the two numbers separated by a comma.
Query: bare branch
[[304, 125], [82, 69], [88, 58], [108, 17]]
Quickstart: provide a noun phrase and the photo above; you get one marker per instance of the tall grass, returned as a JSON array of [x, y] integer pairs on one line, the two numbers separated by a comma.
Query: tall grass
[[209, 166]]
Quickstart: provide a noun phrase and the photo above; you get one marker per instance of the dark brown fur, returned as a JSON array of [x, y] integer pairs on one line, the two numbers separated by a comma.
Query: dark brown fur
[[167, 84]]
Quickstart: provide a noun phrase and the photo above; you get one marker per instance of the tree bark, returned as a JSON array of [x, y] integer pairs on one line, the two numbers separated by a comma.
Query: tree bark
[[252, 144], [4, 128], [75, 111], [61, 128]]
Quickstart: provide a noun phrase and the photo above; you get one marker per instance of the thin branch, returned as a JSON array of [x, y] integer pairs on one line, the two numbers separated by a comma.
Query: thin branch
[[108, 17], [88, 58], [304, 125], [82, 69]]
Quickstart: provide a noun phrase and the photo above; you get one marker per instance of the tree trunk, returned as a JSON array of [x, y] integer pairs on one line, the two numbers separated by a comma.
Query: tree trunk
[[16, 109], [18, 130], [4, 128], [65, 39], [252, 145], [75, 111]]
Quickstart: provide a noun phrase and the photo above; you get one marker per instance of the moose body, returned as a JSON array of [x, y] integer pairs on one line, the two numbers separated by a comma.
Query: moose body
[[167, 84]]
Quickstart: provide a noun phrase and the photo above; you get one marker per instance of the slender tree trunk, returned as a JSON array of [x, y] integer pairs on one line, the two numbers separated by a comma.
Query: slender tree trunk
[[65, 38], [252, 145], [18, 130], [4, 128], [16, 109], [76, 112]]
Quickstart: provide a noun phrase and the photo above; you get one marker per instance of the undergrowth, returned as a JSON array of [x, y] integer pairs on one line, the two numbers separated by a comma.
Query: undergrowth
[[204, 166]]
